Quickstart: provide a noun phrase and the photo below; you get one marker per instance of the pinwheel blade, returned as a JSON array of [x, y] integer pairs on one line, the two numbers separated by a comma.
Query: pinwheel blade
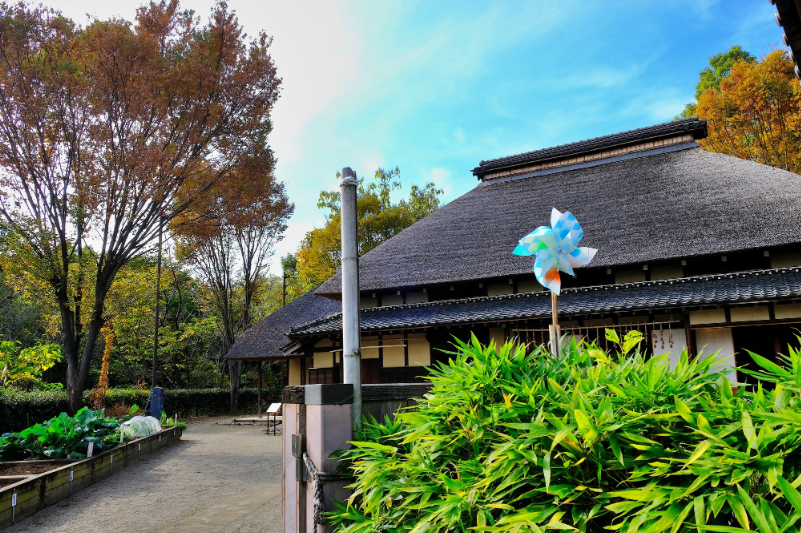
[[563, 264], [556, 248], [581, 256], [536, 241], [567, 232], [547, 274], [522, 250]]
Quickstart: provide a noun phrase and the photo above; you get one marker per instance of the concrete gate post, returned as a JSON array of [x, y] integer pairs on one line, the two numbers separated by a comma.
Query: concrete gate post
[[315, 426]]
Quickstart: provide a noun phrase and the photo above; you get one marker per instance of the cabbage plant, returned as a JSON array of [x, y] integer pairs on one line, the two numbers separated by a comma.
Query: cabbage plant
[[63, 437]]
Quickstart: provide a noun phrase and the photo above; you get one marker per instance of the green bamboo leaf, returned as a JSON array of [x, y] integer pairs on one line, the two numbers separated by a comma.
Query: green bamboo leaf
[[759, 518], [683, 410], [739, 511], [682, 517], [668, 517], [770, 366], [615, 445], [584, 425], [611, 335], [790, 493], [702, 447], [700, 514], [748, 431], [564, 432], [726, 529], [546, 469]]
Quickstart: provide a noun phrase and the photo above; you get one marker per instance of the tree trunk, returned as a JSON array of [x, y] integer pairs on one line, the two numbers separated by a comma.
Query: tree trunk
[[235, 375], [74, 388]]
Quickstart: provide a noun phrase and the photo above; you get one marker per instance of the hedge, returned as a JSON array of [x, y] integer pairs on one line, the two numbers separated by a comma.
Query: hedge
[[19, 410], [196, 402]]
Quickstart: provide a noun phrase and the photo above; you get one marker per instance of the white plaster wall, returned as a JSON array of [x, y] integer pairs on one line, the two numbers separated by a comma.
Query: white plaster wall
[[498, 335], [529, 285], [749, 314], [667, 272], [785, 260], [395, 355], [294, 371], [369, 353], [416, 297], [629, 276], [787, 311], [391, 299], [660, 343], [711, 340], [323, 360], [367, 301], [708, 316], [419, 350], [497, 289]]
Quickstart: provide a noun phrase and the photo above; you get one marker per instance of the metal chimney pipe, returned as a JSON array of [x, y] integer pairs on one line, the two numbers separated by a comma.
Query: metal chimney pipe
[[351, 341]]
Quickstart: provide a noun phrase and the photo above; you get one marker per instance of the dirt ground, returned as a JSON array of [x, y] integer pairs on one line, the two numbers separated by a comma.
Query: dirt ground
[[218, 478]]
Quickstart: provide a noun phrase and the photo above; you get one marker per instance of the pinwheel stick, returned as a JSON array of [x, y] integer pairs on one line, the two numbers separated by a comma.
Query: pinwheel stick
[[555, 327]]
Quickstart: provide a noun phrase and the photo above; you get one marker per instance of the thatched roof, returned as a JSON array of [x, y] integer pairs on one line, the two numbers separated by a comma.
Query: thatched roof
[[650, 206], [697, 291], [265, 339]]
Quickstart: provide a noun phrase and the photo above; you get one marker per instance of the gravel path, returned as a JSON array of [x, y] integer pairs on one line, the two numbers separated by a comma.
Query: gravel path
[[216, 479]]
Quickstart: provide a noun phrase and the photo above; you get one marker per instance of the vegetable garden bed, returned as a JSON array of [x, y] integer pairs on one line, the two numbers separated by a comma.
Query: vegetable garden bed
[[52, 481]]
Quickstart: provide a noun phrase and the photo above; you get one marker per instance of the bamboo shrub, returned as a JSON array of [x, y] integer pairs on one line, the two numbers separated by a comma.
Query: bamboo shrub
[[592, 441]]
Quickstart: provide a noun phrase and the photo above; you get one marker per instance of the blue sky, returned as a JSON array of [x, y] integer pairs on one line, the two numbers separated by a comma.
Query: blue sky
[[435, 87]]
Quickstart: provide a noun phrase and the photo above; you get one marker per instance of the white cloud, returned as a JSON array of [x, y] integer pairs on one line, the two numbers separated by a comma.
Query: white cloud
[[442, 179], [295, 233], [316, 48]]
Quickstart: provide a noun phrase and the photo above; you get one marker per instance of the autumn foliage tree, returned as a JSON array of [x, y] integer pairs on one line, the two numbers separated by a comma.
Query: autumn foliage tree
[[103, 127], [378, 220], [228, 238], [755, 114], [710, 77]]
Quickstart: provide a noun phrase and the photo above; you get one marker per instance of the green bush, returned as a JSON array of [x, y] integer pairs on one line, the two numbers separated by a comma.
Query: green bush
[[592, 440], [19, 410]]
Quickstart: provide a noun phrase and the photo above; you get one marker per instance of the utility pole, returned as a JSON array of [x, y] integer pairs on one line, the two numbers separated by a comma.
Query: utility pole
[[158, 290], [351, 341], [283, 300]]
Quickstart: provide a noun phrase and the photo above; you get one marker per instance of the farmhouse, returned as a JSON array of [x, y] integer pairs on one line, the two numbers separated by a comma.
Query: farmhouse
[[696, 249]]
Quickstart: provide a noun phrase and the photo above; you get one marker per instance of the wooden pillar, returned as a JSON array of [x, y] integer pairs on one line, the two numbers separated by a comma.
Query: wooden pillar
[[258, 409]]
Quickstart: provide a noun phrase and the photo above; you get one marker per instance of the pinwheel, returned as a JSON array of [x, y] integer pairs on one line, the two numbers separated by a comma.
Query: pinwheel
[[555, 248]]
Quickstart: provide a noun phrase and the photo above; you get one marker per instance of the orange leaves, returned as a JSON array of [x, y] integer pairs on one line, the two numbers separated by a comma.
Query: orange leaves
[[756, 115]]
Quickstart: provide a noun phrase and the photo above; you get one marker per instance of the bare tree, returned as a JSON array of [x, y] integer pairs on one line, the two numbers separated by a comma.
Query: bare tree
[[230, 249]]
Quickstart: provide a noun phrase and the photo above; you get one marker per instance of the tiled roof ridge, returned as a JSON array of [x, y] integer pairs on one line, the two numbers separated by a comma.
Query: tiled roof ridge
[[317, 321], [537, 294], [687, 125], [594, 163]]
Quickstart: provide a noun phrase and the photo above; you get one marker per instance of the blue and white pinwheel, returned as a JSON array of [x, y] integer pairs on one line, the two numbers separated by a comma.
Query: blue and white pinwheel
[[556, 248]]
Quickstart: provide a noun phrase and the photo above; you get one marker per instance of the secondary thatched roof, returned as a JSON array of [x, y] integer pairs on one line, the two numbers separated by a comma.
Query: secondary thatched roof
[[652, 206], [265, 339]]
